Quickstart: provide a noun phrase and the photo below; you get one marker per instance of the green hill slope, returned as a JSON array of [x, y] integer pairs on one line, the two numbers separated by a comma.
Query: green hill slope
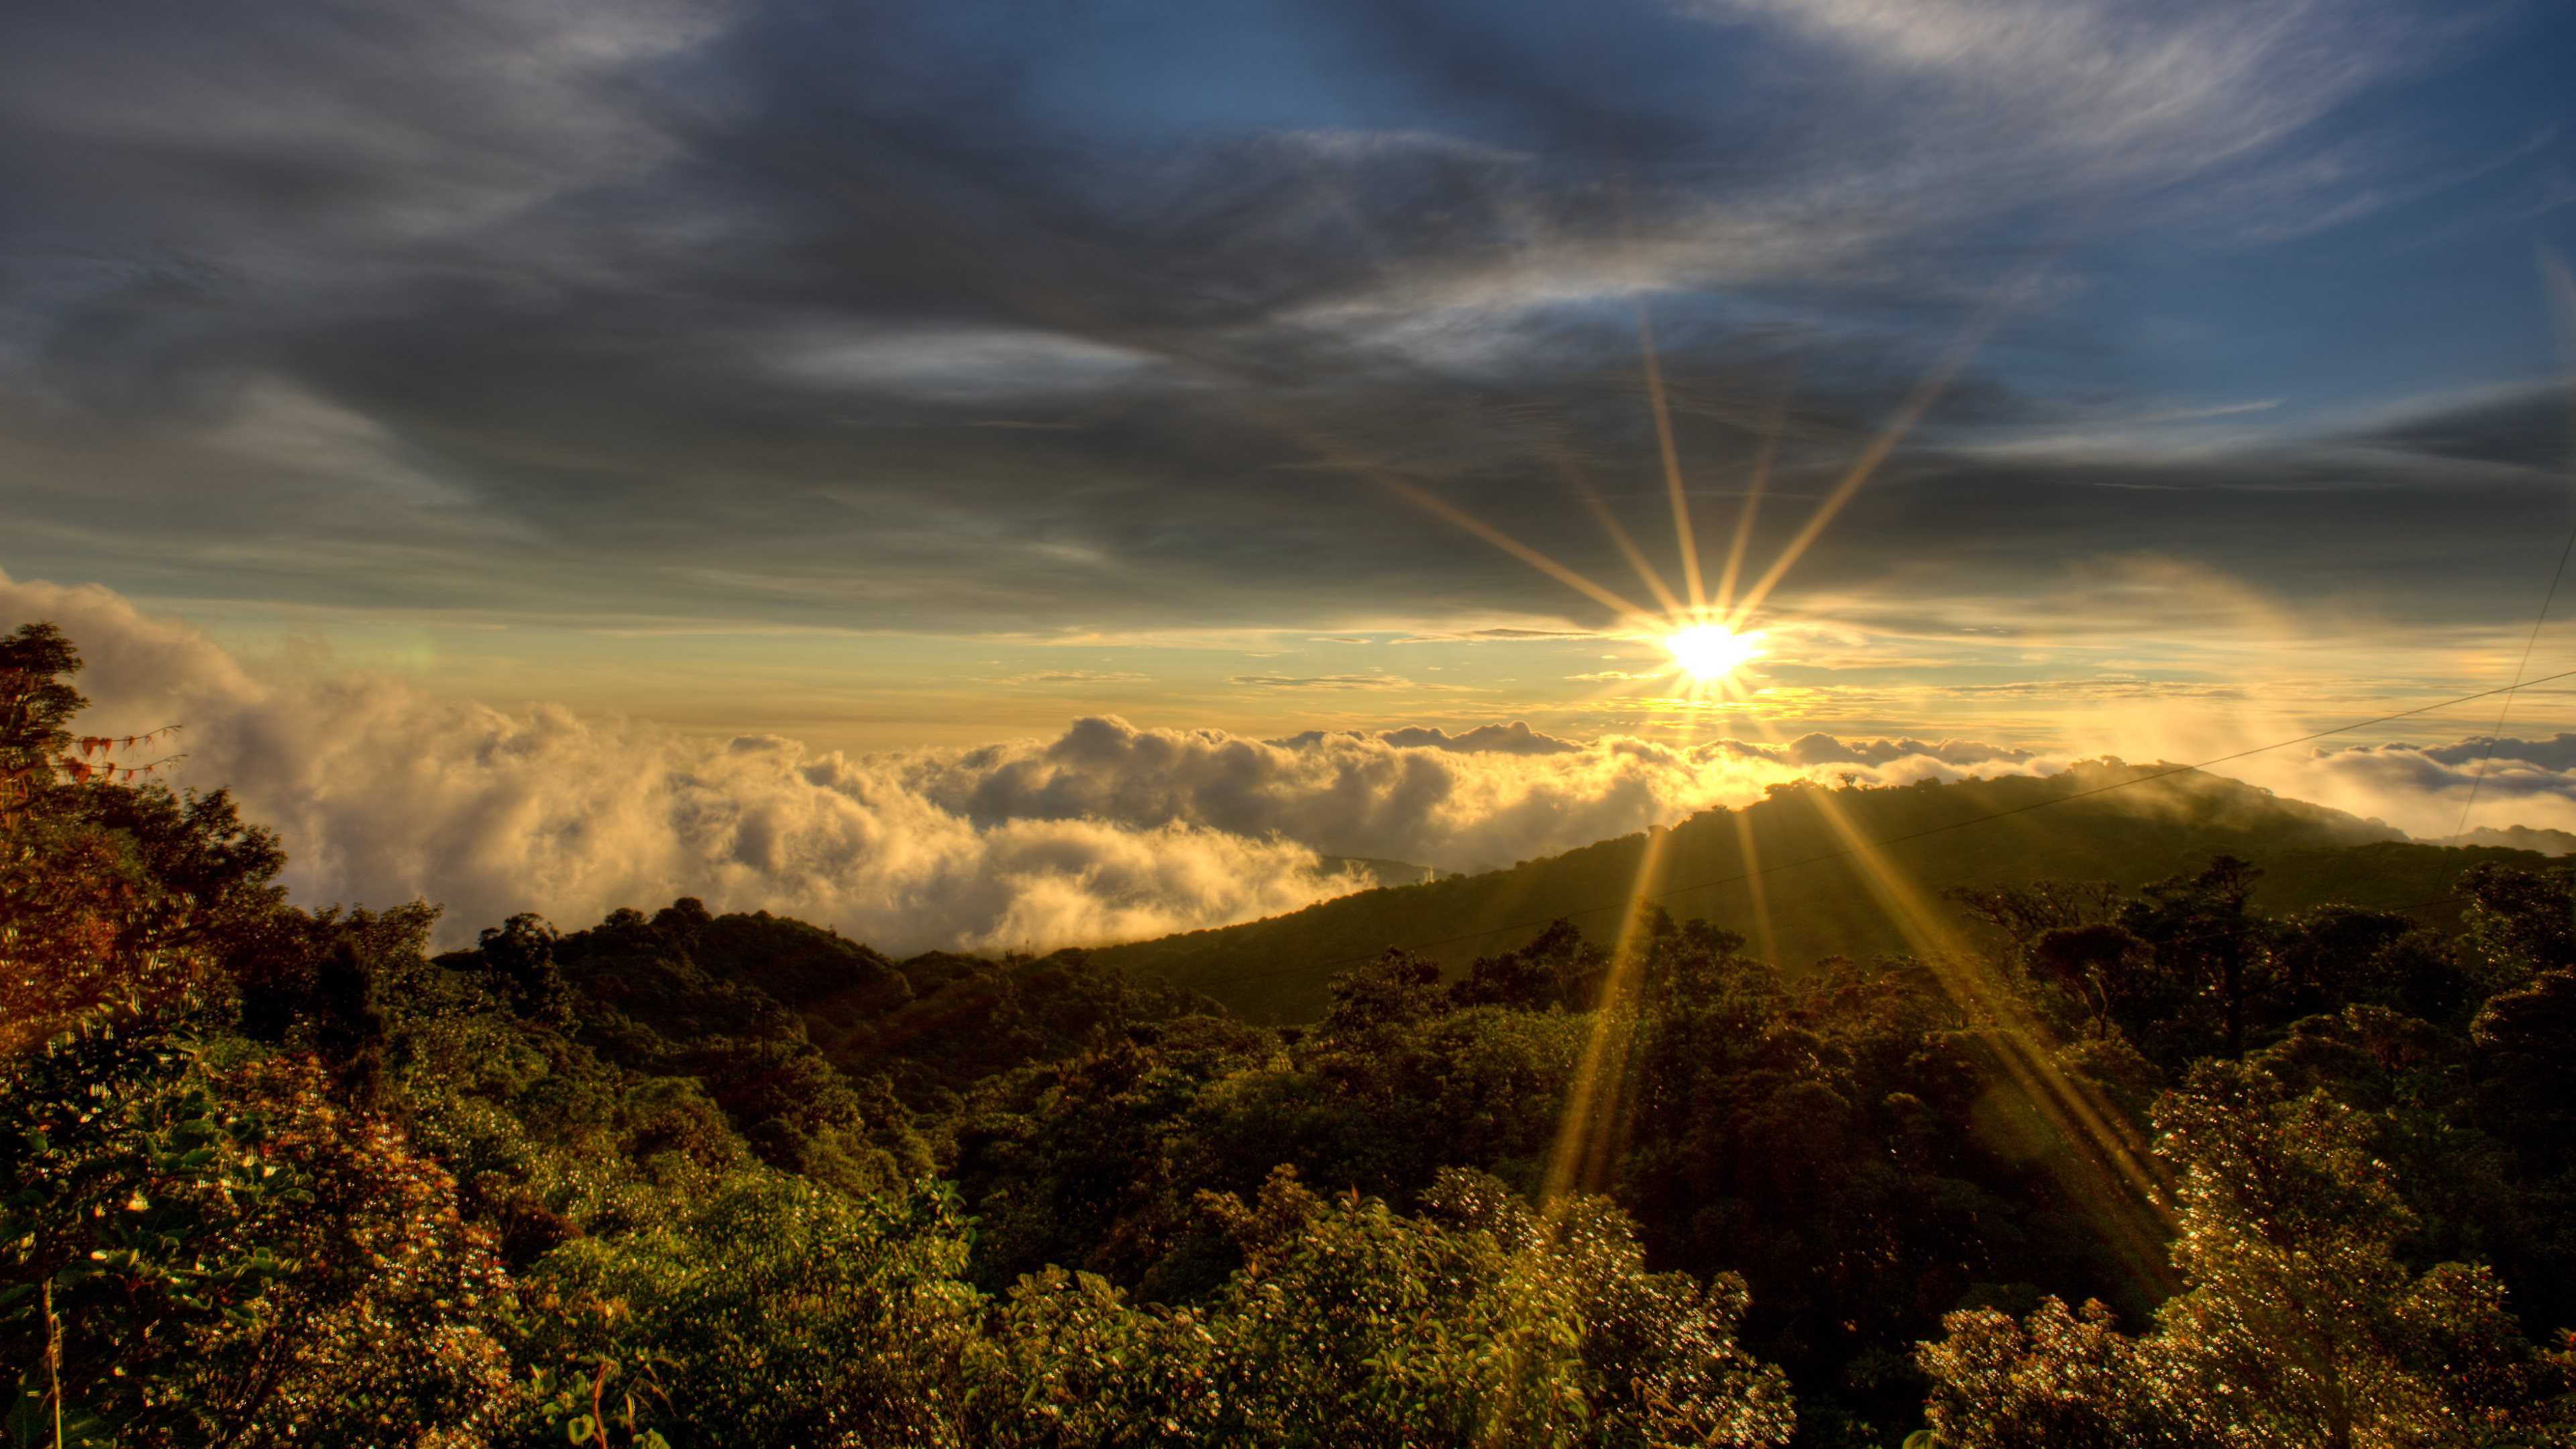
[[1276, 969]]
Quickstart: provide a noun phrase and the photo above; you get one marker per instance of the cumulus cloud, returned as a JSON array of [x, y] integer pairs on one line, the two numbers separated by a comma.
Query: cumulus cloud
[[383, 793], [1105, 832], [1516, 738], [2434, 792], [1487, 797], [2558, 752], [1820, 749]]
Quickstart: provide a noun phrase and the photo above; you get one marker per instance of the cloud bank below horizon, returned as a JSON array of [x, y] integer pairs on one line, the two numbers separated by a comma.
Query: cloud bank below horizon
[[383, 792]]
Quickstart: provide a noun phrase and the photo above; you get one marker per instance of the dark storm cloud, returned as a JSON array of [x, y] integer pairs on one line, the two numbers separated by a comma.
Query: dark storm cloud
[[2528, 429], [970, 316]]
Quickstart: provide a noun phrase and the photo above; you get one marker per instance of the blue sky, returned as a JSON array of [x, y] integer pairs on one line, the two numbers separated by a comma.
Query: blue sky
[[887, 374]]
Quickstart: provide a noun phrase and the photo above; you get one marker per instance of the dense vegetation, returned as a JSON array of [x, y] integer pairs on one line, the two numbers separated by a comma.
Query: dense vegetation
[[271, 1175]]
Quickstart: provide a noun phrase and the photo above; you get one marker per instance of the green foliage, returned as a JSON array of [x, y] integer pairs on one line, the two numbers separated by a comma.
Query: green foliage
[[776, 1313], [270, 1175], [213, 1247], [1475, 1321], [2299, 1322], [2518, 922], [2053, 1380], [2299, 1312], [520, 952], [36, 702]]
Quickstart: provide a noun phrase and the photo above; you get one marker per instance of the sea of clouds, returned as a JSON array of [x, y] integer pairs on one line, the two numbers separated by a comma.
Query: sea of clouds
[[384, 792]]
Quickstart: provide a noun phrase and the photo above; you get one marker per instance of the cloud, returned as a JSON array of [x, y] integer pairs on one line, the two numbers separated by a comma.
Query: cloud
[[2434, 792], [1516, 738], [1818, 749], [445, 284], [350, 122], [2163, 92], [1077, 676], [1509, 635], [383, 794], [1107, 831], [1486, 797], [960, 363], [1327, 681], [2558, 752]]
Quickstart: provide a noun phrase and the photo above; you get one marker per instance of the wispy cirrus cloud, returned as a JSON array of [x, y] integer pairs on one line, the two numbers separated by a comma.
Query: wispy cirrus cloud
[[931, 320]]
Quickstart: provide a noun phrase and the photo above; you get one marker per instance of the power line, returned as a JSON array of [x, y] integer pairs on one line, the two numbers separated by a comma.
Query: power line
[[2506, 711], [1848, 851]]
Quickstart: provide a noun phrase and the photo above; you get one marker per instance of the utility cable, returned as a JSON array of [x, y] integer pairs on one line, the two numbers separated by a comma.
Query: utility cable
[[2502, 714]]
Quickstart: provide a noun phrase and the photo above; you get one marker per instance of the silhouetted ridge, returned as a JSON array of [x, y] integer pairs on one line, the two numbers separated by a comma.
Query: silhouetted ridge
[[2144, 829]]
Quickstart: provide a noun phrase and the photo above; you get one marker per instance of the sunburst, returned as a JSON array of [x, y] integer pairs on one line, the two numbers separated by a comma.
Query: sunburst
[[1708, 653], [1712, 640]]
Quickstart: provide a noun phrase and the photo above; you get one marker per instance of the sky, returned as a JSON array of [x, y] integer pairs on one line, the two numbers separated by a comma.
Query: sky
[[879, 380]]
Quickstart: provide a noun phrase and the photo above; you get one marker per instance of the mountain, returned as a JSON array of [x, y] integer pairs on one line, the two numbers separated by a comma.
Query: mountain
[[2523, 837], [1817, 897], [1380, 873]]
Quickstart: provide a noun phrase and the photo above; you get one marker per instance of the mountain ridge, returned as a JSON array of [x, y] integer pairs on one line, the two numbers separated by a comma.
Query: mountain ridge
[[1820, 896]]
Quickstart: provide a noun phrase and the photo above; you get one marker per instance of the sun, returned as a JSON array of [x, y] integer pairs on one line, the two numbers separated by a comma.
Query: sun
[[1712, 651]]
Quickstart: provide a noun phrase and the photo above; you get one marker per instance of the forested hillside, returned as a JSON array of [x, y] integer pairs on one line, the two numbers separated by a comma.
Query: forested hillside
[[2127, 824], [2160, 1168]]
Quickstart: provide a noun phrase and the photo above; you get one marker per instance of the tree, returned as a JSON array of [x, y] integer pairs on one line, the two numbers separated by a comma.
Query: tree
[[2099, 965], [520, 954], [199, 1253], [1477, 1320], [1395, 990], [2024, 913], [2518, 922], [36, 701], [776, 1313], [1557, 969], [2211, 949], [2298, 1324], [2053, 1380]]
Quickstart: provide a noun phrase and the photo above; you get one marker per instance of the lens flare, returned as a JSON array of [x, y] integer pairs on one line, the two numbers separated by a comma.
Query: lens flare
[[1712, 651]]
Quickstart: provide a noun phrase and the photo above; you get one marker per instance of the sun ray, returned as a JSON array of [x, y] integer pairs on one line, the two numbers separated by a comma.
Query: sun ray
[[1744, 517], [1629, 613], [1684, 536], [2105, 1168], [1913, 408], [1754, 888], [1619, 535], [1584, 1126], [1935, 379]]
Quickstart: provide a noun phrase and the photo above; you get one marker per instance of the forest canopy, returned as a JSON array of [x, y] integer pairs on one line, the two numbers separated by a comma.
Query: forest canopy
[[2151, 1168]]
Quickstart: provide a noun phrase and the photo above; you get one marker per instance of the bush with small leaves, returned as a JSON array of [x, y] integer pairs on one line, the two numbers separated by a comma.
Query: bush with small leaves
[[2299, 1323], [216, 1248], [779, 1313], [1478, 1320]]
